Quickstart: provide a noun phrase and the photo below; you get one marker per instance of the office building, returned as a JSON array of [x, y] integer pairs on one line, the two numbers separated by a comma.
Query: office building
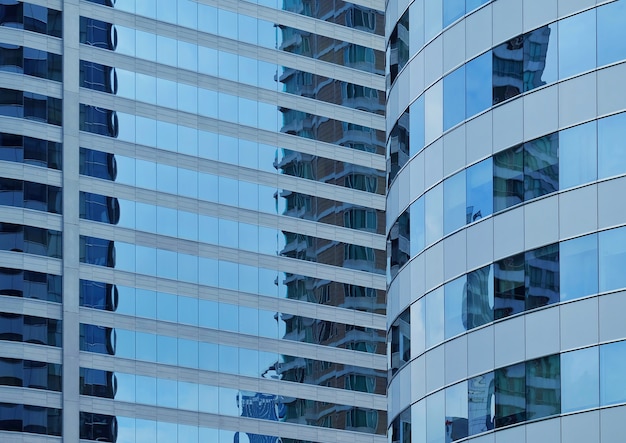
[[192, 241], [506, 222]]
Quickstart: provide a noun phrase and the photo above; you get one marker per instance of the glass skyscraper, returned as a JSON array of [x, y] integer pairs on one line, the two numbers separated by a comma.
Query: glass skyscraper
[[506, 221], [192, 235]]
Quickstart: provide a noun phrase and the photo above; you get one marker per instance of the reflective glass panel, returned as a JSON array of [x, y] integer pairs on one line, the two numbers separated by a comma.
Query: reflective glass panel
[[579, 267], [508, 70], [416, 140], [417, 228], [510, 395], [457, 412], [435, 418], [434, 317], [508, 178], [455, 307], [477, 84], [480, 297], [454, 98], [434, 214], [481, 393], [577, 155], [509, 287], [612, 370], [542, 276], [580, 380], [611, 33], [479, 191], [543, 387], [611, 136], [540, 57], [454, 206], [541, 166], [612, 259], [577, 44]]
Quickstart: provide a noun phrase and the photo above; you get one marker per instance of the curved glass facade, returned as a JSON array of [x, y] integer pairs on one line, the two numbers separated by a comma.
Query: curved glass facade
[[503, 241], [192, 230]]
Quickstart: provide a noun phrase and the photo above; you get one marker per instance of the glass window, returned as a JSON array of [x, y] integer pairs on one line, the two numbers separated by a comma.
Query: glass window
[[452, 10], [400, 431], [478, 84], [481, 403], [434, 214], [611, 136], [454, 98], [416, 17], [510, 395], [507, 69], [577, 155], [400, 341], [542, 276], [611, 33], [612, 370], [509, 290], [580, 380], [457, 412], [479, 191], [579, 267], [417, 228], [418, 327], [434, 317], [455, 307], [508, 178], [540, 57], [433, 18], [416, 140], [577, 44], [541, 166], [480, 297], [454, 207], [612, 259], [543, 387], [436, 418]]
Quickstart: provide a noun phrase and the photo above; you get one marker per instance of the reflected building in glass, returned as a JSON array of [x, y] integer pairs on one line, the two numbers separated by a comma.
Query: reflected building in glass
[[192, 237], [506, 237]]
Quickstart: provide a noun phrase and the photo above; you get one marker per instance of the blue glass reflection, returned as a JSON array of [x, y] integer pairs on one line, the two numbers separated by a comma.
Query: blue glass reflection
[[579, 267]]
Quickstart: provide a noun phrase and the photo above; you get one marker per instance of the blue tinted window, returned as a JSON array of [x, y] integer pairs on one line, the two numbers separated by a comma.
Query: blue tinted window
[[611, 33], [478, 84], [454, 208], [479, 191], [434, 317], [417, 226], [579, 380], [577, 44], [479, 297], [579, 267], [611, 152], [612, 370], [416, 141], [481, 400], [577, 155], [452, 10], [454, 98], [455, 307], [612, 261]]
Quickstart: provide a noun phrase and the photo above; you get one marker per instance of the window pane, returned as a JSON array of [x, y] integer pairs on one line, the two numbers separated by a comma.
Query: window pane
[[612, 260], [542, 276], [456, 412], [455, 308], [509, 286], [507, 70], [480, 297], [579, 380], [579, 267], [481, 403], [611, 33], [478, 84], [577, 44], [434, 214], [612, 370], [611, 152], [510, 395], [577, 155], [454, 98], [508, 178], [435, 418], [543, 387], [434, 317], [540, 57], [416, 141], [452, 10], [479, 191], [454, 208], [541, 166]]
